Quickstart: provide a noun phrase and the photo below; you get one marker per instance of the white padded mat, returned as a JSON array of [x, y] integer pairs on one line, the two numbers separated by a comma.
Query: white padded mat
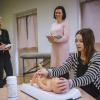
[[39, 94]]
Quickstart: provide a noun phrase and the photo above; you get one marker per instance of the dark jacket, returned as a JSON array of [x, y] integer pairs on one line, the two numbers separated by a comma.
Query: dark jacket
[[4, 38]]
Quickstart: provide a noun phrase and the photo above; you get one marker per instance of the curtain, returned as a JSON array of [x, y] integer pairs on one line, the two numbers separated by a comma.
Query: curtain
[[27, 30], [91, 16], [22, 39], [31, 36]]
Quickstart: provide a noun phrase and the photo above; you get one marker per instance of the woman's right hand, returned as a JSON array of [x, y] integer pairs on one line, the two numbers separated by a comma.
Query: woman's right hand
[[42, 72], [2, 46]]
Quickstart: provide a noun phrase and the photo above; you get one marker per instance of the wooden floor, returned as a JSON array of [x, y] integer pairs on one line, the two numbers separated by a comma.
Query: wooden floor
[[25, 79]]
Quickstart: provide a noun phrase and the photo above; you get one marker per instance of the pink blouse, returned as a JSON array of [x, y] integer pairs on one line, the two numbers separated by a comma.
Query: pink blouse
[[60, 49]]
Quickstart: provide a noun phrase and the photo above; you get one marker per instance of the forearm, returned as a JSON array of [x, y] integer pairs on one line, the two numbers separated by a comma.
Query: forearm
[[64, 68], [81, 81], [64, 39], [56, 72]]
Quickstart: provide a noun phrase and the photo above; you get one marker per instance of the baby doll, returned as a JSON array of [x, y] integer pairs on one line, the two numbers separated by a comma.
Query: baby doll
[[47, 84]]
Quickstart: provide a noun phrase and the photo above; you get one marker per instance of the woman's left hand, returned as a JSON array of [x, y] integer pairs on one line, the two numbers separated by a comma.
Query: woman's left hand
[[62, 85], [51, 39]]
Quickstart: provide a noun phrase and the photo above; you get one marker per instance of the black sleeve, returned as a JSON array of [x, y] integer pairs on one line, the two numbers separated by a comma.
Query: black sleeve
[[7, 37]]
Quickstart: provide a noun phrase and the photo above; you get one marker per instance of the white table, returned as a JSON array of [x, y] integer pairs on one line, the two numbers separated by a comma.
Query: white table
[[23, 96]]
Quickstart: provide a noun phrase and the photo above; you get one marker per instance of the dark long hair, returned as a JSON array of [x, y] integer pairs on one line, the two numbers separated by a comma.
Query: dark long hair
[[88, 42], [63, 11]]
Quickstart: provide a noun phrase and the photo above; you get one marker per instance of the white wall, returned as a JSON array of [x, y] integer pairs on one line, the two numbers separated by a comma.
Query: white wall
[[45, 10]]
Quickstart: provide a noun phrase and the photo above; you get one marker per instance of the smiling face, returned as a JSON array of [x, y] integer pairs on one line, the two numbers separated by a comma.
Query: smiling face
[[58, 14], [79, 43]]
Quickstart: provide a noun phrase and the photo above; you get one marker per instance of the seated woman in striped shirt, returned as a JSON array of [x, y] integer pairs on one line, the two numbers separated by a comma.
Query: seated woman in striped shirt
[[85, 63]]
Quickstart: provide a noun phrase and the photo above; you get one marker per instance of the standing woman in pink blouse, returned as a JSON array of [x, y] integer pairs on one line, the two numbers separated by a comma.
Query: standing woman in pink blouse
[[59, 37]]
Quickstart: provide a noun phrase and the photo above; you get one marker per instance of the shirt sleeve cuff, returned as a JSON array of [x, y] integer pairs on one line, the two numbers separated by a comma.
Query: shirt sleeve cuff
[[49, 72], [70, 83]]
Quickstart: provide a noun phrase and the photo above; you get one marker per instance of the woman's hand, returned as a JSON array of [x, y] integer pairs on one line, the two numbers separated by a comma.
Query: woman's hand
[[51, 38], [5, 49], [61, 85], [2, 46], [42, 72]]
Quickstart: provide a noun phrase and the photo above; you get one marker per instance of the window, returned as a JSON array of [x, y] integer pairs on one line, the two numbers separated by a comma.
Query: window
[[27, 35], [27, 31]]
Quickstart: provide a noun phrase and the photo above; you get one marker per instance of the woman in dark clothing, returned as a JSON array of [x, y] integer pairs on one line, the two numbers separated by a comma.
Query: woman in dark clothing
[[98, 98], [5, 62], [85, 63]]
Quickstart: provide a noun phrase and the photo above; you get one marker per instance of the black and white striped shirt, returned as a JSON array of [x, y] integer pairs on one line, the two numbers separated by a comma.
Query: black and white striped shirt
[[91, 75]]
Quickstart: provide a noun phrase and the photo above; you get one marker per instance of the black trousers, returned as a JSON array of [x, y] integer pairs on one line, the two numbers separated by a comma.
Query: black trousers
[[5, 65], [91, 89], [98, 98]]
